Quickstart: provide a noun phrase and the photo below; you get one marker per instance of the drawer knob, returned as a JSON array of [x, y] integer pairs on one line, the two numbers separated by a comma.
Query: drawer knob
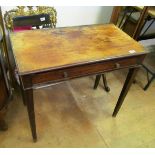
[[65, 75], [117, 65]]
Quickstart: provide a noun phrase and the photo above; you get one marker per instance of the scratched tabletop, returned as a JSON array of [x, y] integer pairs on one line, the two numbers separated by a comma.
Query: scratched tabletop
[[36, 50]]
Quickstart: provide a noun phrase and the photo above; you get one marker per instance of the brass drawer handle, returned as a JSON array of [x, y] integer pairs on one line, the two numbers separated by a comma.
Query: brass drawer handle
[[117, 65], [65, 75]]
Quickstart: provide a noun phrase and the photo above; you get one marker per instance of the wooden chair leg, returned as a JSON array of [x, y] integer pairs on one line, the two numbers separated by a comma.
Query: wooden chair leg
[[97, 80], [149, 79], [149, 82], [107, 89]]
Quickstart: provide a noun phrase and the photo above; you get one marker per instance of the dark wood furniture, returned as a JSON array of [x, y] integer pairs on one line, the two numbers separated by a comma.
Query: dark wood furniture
[[42, 16], [5, 91], [21, 16], [115, 14], [7, 50], [136, 21], [136, 26], [149, 66], [133, 20], [54, 55], [45, 17], [97, 80]]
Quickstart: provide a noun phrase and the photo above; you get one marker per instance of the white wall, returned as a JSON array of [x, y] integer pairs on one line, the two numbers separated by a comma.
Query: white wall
[[79, 15], [71, 16]]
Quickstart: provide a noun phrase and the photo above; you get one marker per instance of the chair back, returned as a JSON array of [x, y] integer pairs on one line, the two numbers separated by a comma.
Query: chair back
[[24, 18], [133, 21]]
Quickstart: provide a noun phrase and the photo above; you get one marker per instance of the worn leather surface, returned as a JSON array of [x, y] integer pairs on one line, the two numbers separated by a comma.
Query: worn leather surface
[[42, 49]]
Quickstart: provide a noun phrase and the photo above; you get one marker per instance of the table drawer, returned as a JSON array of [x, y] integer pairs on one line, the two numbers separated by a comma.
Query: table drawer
[[83, 70]]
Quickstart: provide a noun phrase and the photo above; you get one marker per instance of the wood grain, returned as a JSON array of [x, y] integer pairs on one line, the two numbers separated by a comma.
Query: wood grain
[[115, 14], [51, 48]]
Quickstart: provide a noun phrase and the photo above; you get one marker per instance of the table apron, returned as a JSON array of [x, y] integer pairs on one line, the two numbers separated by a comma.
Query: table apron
[[58, 75]]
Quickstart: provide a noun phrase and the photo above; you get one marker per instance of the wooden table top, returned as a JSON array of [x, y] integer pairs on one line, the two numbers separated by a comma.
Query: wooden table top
[[37, 50]]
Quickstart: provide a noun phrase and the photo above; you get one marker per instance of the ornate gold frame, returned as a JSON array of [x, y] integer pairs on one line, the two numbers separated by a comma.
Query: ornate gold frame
[[21, 11]]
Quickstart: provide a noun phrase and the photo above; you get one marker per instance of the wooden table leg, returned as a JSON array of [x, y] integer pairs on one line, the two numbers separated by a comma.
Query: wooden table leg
[[30, 108], [97, 80], [23, 97], [125, 89], [3, 125]]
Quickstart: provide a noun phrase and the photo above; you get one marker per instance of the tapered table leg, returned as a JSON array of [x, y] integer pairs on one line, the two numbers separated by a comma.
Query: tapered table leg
[[129, 80], [28, 97], [23, 97], [3, 125], [3, 112], [97, 80]]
